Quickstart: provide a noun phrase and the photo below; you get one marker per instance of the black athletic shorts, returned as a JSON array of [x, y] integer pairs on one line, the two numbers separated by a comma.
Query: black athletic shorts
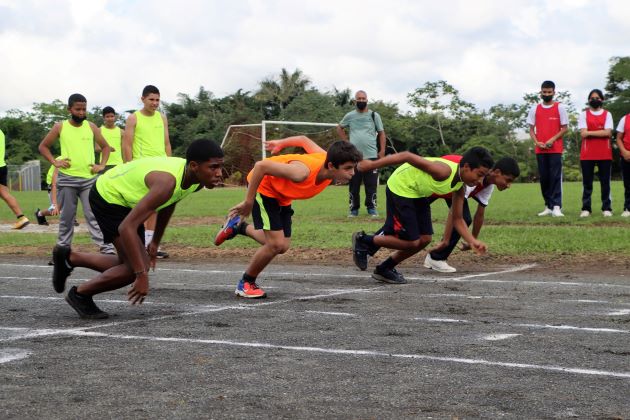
[[4, 171], [407, 218], [110, 216], [268, 214]]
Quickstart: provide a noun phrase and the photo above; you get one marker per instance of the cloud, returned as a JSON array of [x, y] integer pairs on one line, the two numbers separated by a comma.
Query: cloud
[[492, 51]]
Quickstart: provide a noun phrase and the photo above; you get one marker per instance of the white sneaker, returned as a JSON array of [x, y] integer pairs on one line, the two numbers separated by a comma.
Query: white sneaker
[[626, 213], [436, 265], [546, 212], [585, 213], [607, 213], [556, 212]]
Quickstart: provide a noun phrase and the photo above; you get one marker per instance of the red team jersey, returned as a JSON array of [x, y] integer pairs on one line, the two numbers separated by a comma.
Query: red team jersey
[[596, 148], [626, 133], [547, 126]]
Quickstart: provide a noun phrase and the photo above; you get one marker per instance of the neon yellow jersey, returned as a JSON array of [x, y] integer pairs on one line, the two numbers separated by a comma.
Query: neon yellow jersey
[[2, 149], [124, 185], [411, 182], [51, 170], [148, 138], [114, 139], [77, 144]]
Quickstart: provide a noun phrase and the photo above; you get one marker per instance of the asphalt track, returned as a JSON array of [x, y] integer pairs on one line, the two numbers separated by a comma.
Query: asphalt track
[[329, 342]]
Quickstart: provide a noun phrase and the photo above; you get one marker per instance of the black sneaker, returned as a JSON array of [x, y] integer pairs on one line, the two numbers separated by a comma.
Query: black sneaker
[[388, 275], [84, 305], [61, 267], [41, 220], [359, 251], [161, 254]]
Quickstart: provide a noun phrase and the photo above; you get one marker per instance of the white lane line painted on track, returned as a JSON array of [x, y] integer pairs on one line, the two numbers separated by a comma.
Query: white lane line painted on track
[[250, 306], [369, 353], [9, 355], [331, 313], [619, 312], [533, 326], [499, 337]]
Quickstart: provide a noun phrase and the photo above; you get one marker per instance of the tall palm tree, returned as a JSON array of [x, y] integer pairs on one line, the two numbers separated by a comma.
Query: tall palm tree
[[277, 93]]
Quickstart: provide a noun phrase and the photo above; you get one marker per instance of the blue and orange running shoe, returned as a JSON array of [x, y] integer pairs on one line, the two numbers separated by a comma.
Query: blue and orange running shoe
[[228, 231], [249, 290]]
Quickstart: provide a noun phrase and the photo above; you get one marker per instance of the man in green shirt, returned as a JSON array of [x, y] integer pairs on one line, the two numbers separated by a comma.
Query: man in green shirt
[[22, 220], [113, 134], [366, 132], [122, 199]]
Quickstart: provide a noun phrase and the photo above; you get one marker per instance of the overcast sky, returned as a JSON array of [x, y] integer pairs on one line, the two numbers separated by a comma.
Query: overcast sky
[[492, 51]]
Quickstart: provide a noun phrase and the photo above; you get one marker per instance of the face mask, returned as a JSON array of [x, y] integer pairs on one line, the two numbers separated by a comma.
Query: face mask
[[595, 103], [77, 119], [547, 98], [361, 105]]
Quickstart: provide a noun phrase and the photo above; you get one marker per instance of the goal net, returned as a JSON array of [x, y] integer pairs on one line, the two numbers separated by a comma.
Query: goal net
[[243, 144]]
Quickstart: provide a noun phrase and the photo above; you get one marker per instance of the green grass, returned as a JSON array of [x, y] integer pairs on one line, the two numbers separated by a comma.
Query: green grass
[[512, 227]]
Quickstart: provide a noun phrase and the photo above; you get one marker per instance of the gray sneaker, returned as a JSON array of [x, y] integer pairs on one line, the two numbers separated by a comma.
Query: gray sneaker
[[84, 305], [388, 275]]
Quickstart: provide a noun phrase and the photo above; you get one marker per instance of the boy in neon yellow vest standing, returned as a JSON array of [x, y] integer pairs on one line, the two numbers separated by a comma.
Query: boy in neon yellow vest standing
[[146, 135], [122, 200], [22, 221], [77, 169], [113, 135]]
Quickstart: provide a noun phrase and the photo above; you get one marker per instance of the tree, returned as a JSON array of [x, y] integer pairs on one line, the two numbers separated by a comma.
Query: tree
[[441, 100], [277, 93], [618, 87]]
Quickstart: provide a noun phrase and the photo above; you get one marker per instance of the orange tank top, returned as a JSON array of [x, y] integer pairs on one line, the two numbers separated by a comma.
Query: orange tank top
[[285, 190]]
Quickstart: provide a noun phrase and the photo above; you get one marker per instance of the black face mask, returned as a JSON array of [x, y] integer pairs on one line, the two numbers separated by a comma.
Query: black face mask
[[546, 98], [595, 103], [361, 105], [77, 119]]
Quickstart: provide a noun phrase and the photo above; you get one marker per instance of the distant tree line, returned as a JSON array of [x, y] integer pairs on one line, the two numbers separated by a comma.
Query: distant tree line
[[439, 121]]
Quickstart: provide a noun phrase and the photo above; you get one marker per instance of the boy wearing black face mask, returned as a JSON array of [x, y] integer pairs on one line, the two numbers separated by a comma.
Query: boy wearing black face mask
[[548, 122], [366, 132], [595, 125], [77, 169]]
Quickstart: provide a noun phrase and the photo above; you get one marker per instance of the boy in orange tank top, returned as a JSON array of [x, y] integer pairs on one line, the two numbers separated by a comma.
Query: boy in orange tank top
[[273, 184]]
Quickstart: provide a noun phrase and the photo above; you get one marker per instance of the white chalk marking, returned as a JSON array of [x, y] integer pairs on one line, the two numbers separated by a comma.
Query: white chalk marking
[[449, 320], [330, 313], [371, 353], [8, 355], [537, 326], [620, 312], [498, 337]]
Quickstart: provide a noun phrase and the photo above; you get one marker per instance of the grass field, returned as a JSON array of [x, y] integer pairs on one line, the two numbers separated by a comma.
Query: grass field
[[512, 227]]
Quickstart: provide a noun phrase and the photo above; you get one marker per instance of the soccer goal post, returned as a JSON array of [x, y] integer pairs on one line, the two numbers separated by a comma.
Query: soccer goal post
[[244, 144]]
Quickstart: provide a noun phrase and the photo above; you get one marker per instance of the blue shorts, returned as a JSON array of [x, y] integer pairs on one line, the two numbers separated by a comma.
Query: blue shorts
[[407, 218]]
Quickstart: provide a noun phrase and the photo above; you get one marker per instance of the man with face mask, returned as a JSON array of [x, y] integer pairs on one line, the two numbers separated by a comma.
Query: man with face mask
[[77, 169], [548, 121], [365, 130]]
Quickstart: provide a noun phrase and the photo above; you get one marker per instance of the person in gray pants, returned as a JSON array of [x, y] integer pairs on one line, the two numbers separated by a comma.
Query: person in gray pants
[[77, 169]]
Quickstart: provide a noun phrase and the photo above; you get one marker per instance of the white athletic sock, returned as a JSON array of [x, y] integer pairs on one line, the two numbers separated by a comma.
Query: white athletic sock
[[148, 236]]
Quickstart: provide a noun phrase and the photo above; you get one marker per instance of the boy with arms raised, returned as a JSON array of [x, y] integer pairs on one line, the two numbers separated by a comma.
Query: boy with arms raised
[[77, 169], [123, 199], [273, 184], [408, 228], [502, 174]]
